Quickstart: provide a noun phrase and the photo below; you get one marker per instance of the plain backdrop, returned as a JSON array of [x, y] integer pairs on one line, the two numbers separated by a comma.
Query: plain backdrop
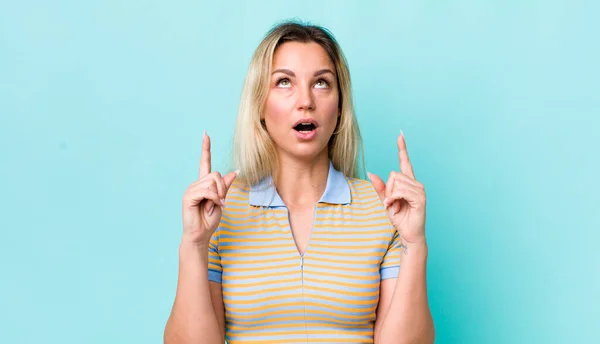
[[103, 105]]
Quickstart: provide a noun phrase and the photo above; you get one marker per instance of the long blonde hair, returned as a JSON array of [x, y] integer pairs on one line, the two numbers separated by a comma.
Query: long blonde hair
[[254, 150]]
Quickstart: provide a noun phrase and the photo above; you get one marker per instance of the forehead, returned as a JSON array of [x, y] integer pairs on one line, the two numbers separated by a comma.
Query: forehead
[[297, 55]]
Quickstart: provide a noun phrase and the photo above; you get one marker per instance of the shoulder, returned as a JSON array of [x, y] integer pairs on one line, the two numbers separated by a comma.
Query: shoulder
[[366, 203], [363, 191], [236, 207], [238, 193]]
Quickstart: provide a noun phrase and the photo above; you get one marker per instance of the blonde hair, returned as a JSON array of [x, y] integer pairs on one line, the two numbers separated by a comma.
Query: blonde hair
[[254, 150]]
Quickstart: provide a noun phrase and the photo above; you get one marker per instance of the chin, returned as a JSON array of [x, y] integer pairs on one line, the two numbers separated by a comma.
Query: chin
[[305, 151]]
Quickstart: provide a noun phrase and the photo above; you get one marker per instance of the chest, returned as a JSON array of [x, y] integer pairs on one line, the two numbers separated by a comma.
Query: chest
[[334, 284], [301, 225]]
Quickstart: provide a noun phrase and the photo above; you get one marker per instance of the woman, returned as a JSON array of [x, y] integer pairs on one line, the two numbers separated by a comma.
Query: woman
[[293, 247]]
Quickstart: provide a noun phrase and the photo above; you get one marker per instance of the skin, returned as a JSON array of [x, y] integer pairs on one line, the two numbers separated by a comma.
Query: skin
[[403, 315], [302, 85]]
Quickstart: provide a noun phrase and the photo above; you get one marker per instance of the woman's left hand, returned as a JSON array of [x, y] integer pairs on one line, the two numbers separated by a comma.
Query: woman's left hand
[[404, 198]]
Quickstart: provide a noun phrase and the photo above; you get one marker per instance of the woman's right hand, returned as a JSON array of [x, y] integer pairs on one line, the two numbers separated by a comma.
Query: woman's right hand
[[204, 200]]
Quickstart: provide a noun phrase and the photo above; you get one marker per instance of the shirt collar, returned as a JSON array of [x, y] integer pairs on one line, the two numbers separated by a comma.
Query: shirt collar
[[337, 191]]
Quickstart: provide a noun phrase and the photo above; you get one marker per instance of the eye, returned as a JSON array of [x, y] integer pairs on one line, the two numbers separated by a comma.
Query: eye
[[283, 82], [322, 83]]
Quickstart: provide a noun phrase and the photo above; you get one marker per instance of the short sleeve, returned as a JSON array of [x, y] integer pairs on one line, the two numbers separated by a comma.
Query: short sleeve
[[390, 266], [215, 271]]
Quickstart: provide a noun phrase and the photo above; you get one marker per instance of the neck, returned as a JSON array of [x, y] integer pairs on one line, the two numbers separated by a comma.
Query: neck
[[301, 184]]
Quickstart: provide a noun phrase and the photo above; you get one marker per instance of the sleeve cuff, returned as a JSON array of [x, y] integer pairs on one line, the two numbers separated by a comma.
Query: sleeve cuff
[[389, 272], [214, 276]]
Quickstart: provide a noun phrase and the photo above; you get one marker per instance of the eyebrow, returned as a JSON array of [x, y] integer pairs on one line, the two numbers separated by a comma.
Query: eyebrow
[[290, 73]]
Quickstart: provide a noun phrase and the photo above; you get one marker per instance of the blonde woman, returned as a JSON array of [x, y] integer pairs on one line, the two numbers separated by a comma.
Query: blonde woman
[[294, 247]]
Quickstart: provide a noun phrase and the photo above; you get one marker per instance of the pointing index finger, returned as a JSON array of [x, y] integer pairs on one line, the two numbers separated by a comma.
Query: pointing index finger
[[405, 165], [205, 157]]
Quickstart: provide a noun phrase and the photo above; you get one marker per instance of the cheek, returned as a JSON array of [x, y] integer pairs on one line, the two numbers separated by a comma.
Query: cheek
[[277, 111], [330, 110]]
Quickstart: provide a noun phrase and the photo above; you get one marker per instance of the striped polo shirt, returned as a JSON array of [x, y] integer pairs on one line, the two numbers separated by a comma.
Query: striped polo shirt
[[329, 294]]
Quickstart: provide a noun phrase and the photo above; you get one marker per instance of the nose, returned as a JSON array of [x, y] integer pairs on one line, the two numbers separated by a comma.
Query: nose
[[305, 99]]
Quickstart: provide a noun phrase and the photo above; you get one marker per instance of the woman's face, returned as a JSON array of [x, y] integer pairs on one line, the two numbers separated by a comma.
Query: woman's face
[[302, 104]]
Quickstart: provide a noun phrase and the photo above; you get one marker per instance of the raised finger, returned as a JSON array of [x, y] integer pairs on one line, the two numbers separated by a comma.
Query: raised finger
[[405, 165], [205, 157]]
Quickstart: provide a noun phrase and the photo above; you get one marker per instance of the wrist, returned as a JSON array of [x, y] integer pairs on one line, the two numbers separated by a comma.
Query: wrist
[[415, 246], [415, 242], [187, 246]]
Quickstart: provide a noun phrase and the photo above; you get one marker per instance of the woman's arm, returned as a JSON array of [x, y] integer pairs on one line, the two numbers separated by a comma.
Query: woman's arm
[[403, 315], [197, 315]]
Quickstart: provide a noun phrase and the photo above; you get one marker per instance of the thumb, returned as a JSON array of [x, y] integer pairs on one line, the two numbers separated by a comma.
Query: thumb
[[378, 184], [229, 178]]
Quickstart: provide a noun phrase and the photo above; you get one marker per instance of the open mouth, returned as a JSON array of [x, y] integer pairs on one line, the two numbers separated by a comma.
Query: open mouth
[[305, 127]]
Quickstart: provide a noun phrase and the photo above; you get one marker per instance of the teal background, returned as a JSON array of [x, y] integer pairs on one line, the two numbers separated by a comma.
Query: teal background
[[103, 104]]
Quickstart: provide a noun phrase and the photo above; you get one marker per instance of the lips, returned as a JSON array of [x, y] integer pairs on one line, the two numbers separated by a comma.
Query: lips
[[306, 125], [306, 129]]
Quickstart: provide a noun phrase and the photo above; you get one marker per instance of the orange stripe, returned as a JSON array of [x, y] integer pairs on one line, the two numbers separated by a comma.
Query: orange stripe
[[255, 226], [261, 261], [253, 284], [238, 197], [343, 225], [350, 277], [345, 268], [249, 239], [284, 219], [353, 219], [348, 253], [350, 212], [341, 291], [262, 219], [260, 247], [386, 231], [214, 261], [344, 246], [245, 253], [367, 198], [299, 305], [258, 292], [242, 231], [252, 212], [286, 297], [296, 325], [365, 323], [305, 340], [361, 262], [263, 334], [365, 317], [336, 282], [343, 301], [369, 207], [228, 269], [353, 239], [272, 274]]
